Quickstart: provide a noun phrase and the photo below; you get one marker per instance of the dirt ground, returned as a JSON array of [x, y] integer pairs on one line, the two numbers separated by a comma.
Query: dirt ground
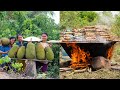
[[99, 74], [4, 75], [12, 75]]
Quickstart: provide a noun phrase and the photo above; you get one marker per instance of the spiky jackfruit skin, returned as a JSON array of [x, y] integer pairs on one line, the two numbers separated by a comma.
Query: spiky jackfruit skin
[[49, 53], [40, 52], [23, 62], [5, 41], [13, 51], [21, 52], [30, 51]]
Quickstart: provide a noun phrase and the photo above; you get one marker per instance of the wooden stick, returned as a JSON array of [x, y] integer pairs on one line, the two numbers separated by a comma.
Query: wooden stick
[[80, 71], [115, 68], [65, 69], [34, 60]]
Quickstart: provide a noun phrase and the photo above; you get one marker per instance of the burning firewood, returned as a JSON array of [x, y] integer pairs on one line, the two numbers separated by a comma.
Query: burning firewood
[[79, 57]]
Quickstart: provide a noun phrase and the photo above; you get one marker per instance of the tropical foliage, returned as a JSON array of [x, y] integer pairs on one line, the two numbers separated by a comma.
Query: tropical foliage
[[28, 23], [32, 23], [76, 19]]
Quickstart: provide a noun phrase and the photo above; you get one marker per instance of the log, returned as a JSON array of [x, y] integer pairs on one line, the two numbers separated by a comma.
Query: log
[[115, 68], [65, 69], [87, 27], [80, 71]]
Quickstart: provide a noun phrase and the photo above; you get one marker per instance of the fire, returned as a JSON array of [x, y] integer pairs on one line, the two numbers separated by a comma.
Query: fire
[[79, 57], [109, 52]]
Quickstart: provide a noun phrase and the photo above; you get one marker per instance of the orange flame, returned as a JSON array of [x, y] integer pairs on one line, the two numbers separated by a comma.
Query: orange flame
[[79, 57], [109, 52]]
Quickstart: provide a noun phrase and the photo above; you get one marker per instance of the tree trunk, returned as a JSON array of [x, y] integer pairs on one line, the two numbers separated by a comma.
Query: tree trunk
[[30, 69]]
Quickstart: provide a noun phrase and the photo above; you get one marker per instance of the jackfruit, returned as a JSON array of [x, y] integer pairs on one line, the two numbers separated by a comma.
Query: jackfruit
[[23, 62], [5, 41], [49, 53], [40, 52], [21, 52], [30, 51], [13, 51]]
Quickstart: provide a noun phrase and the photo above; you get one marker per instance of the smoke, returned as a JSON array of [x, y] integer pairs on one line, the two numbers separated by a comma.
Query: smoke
[[105, 20], [101, 39]]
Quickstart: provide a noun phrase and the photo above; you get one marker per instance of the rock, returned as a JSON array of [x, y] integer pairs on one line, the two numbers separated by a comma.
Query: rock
[[100, 62]]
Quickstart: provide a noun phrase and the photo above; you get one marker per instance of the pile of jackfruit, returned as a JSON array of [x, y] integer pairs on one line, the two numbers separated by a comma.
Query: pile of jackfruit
[[31, 51]]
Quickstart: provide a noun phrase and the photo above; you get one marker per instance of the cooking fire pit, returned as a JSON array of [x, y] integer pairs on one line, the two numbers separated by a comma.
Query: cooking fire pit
[[83, 53], [88, 46], [95, 49]]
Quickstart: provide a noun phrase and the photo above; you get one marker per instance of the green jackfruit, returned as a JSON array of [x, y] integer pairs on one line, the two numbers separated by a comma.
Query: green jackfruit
[[40, 52], [21, 52], [30, 51], [49, 53], [5, 41], [13, 51]]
